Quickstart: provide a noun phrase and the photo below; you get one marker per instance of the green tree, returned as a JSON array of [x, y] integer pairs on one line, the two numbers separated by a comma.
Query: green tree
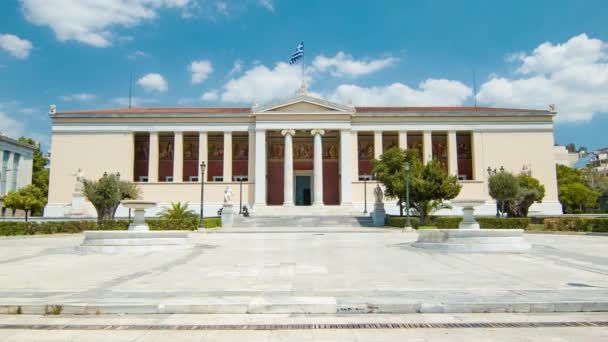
[[106, 193], [40, 174], [430, 185], [177, 211], [574, 193], [503, 187], [577, 198], [530, 191], [29, 199]]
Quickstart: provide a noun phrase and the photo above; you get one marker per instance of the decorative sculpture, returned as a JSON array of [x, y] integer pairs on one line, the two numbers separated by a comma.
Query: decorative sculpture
[[378, 194], [79, 185], [228, 195]]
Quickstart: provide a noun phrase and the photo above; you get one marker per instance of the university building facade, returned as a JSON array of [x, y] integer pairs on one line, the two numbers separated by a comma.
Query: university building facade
[[300, 154]]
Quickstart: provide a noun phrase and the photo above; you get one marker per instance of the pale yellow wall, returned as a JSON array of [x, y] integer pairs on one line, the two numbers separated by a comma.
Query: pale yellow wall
[[93, 153], [513, 150], [191, 192]]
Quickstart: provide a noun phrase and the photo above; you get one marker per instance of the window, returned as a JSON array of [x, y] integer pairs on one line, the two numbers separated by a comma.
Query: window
[[240, 178], [3, 172], [168, 178], [193, 179], [143, 178], [365, 177], [16, 159], [218, 178]]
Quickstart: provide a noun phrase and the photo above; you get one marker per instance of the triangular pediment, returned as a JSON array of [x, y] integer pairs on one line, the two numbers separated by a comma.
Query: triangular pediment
[[303, 104]]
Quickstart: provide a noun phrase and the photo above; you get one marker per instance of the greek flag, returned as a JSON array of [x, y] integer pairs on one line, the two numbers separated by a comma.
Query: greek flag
[[298, 54], [593, 157]]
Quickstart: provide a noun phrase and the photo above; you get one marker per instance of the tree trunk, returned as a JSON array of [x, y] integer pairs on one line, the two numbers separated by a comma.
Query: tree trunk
[[26, 215], [400, 207]]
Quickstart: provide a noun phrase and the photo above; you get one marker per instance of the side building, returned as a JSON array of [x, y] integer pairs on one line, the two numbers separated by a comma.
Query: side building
[[302, 154], [15, 169]]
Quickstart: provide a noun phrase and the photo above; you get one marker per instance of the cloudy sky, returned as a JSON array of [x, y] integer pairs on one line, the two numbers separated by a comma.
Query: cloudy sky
[[80, 54]]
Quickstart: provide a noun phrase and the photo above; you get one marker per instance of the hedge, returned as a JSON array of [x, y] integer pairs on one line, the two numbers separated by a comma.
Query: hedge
[[446, 222], [12, 228], [577, 224], [400, 221]]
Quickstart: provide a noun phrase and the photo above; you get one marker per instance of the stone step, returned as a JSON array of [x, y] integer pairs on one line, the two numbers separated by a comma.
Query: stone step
[[303, 221]]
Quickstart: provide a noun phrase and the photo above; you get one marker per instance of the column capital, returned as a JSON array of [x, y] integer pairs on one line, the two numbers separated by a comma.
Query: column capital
[[317, 131], [291, 132]]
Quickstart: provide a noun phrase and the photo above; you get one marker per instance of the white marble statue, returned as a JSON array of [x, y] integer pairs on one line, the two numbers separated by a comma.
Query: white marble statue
[[378, 194], [228, 195], [79, 185]]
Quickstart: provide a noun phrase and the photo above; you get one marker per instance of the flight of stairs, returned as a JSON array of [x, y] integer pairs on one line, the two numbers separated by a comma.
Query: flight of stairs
[[301, 221]]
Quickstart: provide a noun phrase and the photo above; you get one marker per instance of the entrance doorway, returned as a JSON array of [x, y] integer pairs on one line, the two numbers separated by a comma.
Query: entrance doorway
[[303, 194]]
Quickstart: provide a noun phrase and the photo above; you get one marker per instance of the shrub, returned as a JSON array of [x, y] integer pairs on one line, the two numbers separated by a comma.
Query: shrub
[[447, 222], [401, 221], [212, 222], [577, 224], [503, 222], [13, 228]]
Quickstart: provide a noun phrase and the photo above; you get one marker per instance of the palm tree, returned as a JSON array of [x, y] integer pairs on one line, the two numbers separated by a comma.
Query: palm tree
[[178, 211]]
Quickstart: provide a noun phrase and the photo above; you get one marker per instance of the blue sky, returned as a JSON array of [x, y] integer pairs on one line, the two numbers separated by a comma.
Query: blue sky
[[80, 54]]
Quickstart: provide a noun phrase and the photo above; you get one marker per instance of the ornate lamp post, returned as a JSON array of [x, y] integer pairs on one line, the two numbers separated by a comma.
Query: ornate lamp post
[[407, 194], [201, 225], [365, 194], [240, 179]]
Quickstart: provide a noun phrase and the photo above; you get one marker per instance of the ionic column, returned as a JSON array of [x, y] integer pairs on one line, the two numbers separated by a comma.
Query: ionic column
[[477, 155], [153, 158], [403, 140], [202, 152], [178, 157], [288, 168], [427, 147], [345, 172], [452, 154], [251, 157], [227, 174], [318, 167], [260, 169], [377, 144], [355, 155]]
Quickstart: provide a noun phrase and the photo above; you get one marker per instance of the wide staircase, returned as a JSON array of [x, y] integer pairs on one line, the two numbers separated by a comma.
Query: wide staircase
[[302, 221]]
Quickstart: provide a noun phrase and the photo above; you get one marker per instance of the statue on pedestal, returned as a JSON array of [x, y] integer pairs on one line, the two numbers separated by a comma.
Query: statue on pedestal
[[227, 215], [379, 214], [228, 195], [79, 185], [76, 207]]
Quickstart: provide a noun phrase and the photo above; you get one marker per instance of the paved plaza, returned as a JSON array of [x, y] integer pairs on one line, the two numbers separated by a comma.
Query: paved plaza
[[302, 270]]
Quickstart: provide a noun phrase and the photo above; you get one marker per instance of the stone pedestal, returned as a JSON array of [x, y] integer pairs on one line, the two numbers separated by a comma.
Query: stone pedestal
[[378, 215], [227, 215], [77, 206], [468, 238], [138, 239]]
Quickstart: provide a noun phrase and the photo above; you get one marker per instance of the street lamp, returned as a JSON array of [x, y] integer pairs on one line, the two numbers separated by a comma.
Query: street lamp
[[407, 194], [365, 194], [240, 179], [201, 225]]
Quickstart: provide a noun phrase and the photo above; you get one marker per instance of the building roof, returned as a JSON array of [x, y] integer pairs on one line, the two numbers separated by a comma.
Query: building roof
[[11, 141], [221, 110]]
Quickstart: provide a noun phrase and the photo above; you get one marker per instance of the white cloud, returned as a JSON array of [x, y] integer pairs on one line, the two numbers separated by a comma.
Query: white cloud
[[267, 4], [153, 82], [236, 68], [137, 54], [90, 21], [10, 127], [16, 46], [343, 64], [200, 71], [80, 97], [262, 84], [572, 75], [221, 7], [211, 95], [432, 92], [135, 101]]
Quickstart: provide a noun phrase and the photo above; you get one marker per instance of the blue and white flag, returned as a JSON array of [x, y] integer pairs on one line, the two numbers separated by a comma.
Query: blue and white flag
[[593, 157], [298, 54]]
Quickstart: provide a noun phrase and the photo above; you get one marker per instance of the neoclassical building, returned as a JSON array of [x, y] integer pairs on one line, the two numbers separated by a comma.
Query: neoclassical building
[[303, 154]]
